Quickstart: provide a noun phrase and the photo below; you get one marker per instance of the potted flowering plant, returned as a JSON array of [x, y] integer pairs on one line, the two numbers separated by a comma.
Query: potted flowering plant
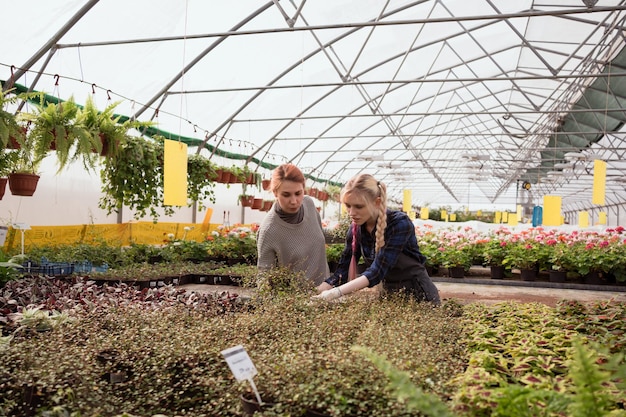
[[594, 259], [233, 245], [494, 251], [456, 256], [523, 255]]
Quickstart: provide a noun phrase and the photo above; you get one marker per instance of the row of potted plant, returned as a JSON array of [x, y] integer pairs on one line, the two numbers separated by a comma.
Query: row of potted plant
[[537, 248]]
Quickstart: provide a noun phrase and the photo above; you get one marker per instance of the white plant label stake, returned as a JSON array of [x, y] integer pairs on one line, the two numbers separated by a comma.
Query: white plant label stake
[[241, 366]]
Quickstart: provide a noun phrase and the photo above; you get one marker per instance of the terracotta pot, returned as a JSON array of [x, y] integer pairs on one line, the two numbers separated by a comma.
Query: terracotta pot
[[247, 200], [257, 203], [23, 184], [456, 272], [497, 272], [266, 184], [3, 186], [267, 205], [251, 179], [220, 175]]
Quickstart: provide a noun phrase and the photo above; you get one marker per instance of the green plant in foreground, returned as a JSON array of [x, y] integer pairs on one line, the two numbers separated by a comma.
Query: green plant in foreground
[[407, 392], [588, 398]]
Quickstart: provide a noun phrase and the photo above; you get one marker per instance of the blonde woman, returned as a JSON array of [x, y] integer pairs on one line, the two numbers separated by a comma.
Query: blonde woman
[[291, 234], [385, 240]]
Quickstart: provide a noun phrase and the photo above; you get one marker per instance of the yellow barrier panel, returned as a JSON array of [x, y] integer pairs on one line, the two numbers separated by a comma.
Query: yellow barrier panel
[[113, 234]]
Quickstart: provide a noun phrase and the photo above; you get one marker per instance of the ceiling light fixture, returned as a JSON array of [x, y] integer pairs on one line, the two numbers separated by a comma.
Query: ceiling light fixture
[[572, 156], [370, 157], [475, 157], [563, 165]]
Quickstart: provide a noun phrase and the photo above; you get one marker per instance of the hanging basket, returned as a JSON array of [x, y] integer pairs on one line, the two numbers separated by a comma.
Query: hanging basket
[[257, 203], [266, 184], [246, 200], [23, 184]]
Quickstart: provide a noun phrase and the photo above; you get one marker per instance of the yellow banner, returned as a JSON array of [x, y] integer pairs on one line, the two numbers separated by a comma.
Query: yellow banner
[[424, 213], [599, 182], [113, 234], [551, 210], [175, 173], [602, 218]]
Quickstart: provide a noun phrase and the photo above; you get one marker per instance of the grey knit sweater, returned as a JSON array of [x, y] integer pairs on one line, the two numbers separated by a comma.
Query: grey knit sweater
[[298, 246]]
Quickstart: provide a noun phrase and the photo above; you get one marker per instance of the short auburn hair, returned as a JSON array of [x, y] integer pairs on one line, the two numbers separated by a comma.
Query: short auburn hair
[[286, 172]]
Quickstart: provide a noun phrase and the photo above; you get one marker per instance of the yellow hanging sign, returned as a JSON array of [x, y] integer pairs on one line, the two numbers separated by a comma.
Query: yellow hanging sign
[[599, 182], [583, 219], [406, 202], [175, 173], [551, 210]]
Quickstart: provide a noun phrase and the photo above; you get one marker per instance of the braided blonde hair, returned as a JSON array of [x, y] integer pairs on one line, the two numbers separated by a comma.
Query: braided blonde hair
[[366, 186]]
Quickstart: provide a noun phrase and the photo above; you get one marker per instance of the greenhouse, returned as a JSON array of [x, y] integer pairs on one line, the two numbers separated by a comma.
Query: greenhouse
[[148, 134]]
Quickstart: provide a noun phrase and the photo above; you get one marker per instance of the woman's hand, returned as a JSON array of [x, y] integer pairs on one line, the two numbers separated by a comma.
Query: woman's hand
[[323, 287], [328, 295]]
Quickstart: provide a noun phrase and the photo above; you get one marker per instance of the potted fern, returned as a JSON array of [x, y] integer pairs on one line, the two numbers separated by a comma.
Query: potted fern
[[111, 129], [60, 127], [10, 129]]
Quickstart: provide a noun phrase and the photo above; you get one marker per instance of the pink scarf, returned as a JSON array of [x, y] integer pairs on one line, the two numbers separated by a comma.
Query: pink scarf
[[352, 269]]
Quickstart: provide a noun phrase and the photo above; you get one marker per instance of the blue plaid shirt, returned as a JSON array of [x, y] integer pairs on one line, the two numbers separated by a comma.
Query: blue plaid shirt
[[399, 238]]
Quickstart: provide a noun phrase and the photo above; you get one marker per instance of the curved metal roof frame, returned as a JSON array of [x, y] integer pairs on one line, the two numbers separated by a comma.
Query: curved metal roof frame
[[457, 100]]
